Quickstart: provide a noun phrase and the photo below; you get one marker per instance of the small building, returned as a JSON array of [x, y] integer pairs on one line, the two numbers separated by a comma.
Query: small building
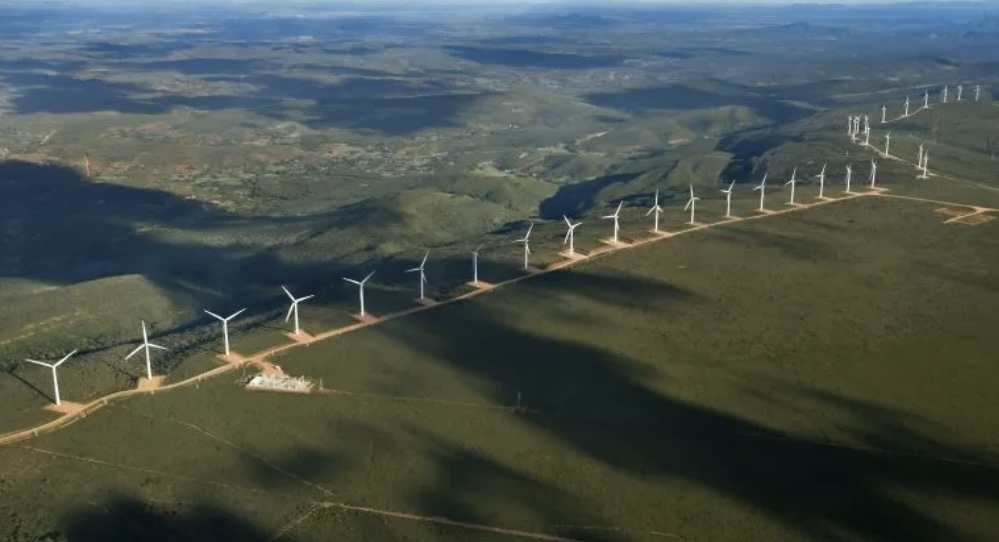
[[280, 382]]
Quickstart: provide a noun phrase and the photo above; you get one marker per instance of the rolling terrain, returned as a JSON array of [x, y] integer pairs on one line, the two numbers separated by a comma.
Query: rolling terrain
[[814, 375]]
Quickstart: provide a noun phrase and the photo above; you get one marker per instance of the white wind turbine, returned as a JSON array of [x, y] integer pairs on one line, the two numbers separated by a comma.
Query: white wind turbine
[[762, 187], [728, 199], [527, 244], [569, 235], [792, 182], [691, 204], [874, 172], [960, 89], [849, 176], [887, 143], [978, 91], [867, 123], [615, 216], [146, 345], [926, 99], [926, 163], [919, 157], [657, 210], [822, 181], [884, 112], [849, 125], [360, 286], [906, 113], [225, 325], [293, 309], [944, 95], [422, 270], [55, 376], [853, 128], [475, 265], [867, 137]]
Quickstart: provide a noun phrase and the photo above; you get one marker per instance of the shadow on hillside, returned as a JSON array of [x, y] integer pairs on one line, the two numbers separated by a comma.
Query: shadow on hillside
[[596, 403], [387, 104], [528, 58], [747, 151], [126, 519], [683, 97]]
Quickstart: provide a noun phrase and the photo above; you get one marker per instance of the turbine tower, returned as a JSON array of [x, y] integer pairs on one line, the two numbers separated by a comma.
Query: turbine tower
[[615, 216], [527, 244], [475, 265], [360, 286], [944, 95], [884, 112], [906, 113], [225, 325], [926, 99], [792, 182], [762, 187], [853, 128], [919, 157], [728, 199], [55, 376], [867, 137], [849, 176], [822, 181], [657, 210], [293, 309], [960, 90], [691, 204], [421, 270], [867, 122], [978, 91], [146, 345], [874, 172], [887, 143], [926, 163], [569, 235]]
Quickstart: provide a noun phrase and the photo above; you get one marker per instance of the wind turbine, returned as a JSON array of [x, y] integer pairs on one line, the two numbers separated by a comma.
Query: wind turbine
[[360, 285], [906, 114], [849, 176], [822, 181], [926, 99], [849, 125], [867, 122], [926, 163], [887, 143], [763, 189], [978, 91], [527, 247], [615, 216], [874, 172], [960, 89], [225, 326], [421, 270], [569, 237], [792, 182], [657, 210], [944, 95], [293, 309], [867, 137], [919, 157], [691, 203], [55, 377], [475, 265], [146, 345], [853, 128], [728, 199], [884, 111]]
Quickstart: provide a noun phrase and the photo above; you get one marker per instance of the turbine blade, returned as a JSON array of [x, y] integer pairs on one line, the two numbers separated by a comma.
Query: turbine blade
[[413, 270], [352, 281], [424, 262], [134, 352], [290, 310], [235, 314], [567, 235], [567, 223], [618, 211], [64, 359], [213, 314], [151, 345], [42, 363], [368, 277], [299, 300], [289, 293]]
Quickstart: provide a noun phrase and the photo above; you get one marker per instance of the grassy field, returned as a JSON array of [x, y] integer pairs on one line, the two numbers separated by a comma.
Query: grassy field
[[811, 375]]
